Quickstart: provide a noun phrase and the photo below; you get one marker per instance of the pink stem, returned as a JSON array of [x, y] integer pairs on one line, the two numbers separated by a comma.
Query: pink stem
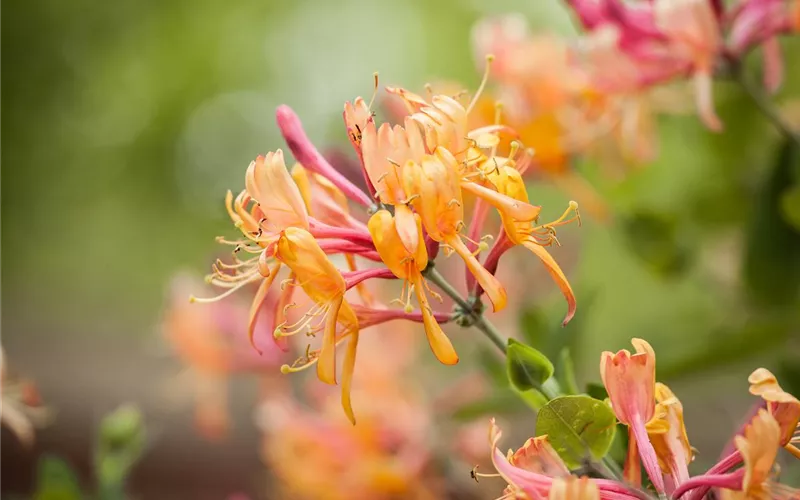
[[705, 482], [308, 155], [648, 453], [353, 278], [479, 213], [321, 230], [722, 466], [501, 245]]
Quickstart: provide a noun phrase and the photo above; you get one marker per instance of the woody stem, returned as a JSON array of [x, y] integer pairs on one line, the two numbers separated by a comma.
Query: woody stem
[[479, 321]]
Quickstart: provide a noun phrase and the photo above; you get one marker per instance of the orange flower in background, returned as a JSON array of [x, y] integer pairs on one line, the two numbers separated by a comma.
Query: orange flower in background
[[781, 405]]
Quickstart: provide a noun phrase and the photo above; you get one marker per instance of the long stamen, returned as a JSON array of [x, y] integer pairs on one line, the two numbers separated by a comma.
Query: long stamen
[[207, 300], [484, 80], [374, 90]]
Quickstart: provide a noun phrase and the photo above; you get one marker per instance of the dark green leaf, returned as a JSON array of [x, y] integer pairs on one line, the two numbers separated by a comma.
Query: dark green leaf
[[597, 391], [578, 427], [772, 252], [56, 480], [527, 368]]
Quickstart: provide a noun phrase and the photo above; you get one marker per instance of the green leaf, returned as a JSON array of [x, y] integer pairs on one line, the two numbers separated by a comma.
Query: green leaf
[[565, 373], [526, 367], [56, 480], [578, 427], [772, 253], [597, 391]]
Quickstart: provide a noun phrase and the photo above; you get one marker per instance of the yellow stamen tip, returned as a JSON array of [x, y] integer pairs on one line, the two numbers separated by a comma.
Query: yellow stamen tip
[[192, 299], [408, 309], [489, 57], [573, 204], [286, 369]]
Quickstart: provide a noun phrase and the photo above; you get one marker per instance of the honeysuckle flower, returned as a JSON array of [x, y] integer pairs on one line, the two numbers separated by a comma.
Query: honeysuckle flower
[[781, 405], [759, 447], [324, 284], [537, 455], [532, 485], [21, 408], [667, 433], [508, 181], [408, 267], [631, 385], [439, 202]]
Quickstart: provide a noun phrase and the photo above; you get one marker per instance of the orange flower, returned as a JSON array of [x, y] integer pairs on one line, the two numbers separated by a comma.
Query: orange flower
[[630, 382], [782, 405], [508, 181], [537, 455], [667, 432], [408, 267], [385, 151], [759, 447], [322, 282], [438, 200]]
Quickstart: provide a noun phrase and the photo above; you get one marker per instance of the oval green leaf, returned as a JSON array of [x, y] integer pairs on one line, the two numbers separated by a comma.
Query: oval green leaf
[[527, 368], [578, 427]]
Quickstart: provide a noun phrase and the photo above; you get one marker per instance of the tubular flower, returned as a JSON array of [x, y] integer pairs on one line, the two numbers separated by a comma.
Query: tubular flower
[[630, 382], [440, 205], [508, 181], [385, 151], [536, 455], [408, 267], [322, 282], [531, 484], [781, 405], [759, 447], [667, 432]]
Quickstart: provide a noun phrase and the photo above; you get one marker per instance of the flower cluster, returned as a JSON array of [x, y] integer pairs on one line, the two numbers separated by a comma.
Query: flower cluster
[[562, 95], [420, 177], [659, 441]]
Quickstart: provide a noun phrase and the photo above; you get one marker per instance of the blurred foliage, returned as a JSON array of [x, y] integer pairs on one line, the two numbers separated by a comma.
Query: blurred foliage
[[119, 446]]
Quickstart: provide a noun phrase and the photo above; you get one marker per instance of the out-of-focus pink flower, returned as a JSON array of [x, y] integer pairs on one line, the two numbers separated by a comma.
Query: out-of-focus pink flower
[[21, 408]]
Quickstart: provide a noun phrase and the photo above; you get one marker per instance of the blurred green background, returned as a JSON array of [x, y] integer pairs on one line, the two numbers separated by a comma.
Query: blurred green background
[[125, 122]]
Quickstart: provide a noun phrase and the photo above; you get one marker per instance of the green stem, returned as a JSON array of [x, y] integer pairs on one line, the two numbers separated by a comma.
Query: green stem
[[479, 321], [764, 104]]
